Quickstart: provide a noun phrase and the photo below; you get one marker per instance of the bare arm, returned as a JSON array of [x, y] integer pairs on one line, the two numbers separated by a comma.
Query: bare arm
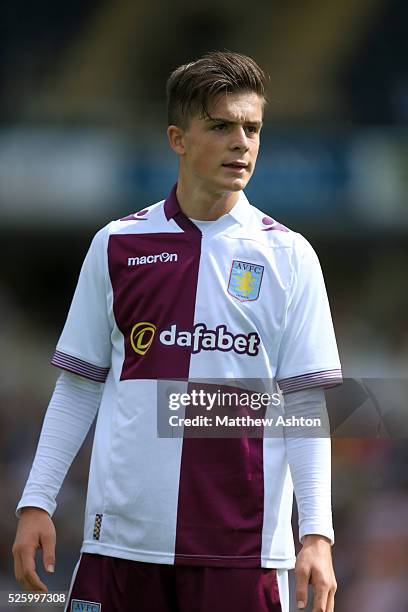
[[35, 530], [314, 565]]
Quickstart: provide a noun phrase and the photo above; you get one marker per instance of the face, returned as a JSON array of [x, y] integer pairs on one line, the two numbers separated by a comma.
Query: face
[[219, 154]]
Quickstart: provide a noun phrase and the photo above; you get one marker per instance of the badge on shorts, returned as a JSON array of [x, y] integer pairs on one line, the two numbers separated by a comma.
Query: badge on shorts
[[245, 280], [80, 605]]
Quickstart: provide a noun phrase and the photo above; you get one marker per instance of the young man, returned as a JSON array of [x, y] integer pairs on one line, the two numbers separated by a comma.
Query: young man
[[201, 285]]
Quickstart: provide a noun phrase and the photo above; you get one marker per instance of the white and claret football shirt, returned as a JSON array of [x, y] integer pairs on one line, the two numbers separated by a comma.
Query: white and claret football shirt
[[255, 292]]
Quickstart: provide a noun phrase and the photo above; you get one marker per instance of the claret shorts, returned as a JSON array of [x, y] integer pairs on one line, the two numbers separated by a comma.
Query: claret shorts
[[109, 584]]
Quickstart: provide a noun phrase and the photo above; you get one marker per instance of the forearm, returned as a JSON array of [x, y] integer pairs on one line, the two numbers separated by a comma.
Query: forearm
[[310, 465], [69, 416]]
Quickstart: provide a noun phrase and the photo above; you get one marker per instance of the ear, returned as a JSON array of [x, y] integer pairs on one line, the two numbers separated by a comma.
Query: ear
[[176, 139]]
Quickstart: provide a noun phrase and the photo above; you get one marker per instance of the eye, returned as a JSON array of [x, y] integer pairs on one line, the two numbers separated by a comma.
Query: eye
[[219, 126], [252, 129]]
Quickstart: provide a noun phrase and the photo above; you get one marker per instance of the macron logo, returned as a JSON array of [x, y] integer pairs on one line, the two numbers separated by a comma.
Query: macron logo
[[152, 259]]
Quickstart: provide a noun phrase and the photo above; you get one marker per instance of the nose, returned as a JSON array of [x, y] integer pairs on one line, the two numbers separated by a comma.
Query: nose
[[239, 140]]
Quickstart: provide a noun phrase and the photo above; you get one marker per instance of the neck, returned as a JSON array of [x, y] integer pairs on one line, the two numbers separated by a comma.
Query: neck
[[197, 203]]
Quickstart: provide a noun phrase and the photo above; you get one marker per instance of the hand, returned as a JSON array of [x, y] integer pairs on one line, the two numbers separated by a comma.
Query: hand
[[314, 565], [35, 530]]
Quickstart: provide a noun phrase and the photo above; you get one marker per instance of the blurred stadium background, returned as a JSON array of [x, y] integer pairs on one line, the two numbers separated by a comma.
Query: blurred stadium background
[[82, 140]]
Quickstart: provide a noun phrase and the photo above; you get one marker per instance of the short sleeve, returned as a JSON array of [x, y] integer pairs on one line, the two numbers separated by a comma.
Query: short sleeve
[[308, 355], [84, 346]]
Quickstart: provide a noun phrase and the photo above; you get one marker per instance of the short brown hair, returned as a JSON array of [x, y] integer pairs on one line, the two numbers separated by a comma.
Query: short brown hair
[[191, 87]]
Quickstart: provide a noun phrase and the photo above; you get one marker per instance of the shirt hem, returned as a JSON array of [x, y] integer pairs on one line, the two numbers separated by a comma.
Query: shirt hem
[[192, 560]]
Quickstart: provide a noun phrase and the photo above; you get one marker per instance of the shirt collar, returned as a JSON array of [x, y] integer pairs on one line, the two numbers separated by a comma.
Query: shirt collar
[[239, 212], [171, 205]]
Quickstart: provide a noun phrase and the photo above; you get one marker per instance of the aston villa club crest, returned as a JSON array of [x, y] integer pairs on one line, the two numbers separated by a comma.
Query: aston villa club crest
[[80, 605], [245, 280]]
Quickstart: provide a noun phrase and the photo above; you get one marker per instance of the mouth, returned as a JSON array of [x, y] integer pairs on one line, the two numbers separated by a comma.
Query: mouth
[[236, 165], [239, 168]]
